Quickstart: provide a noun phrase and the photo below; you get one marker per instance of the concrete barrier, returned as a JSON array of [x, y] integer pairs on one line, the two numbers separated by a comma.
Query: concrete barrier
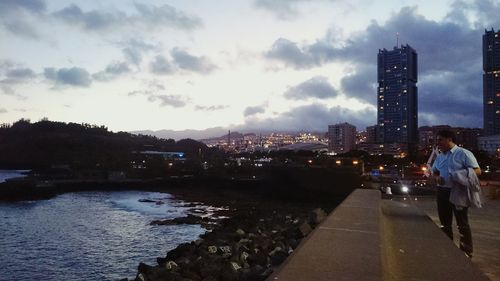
[[367, 238]]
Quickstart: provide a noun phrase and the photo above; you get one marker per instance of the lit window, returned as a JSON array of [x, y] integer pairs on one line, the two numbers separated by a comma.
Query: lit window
[[490, 102]]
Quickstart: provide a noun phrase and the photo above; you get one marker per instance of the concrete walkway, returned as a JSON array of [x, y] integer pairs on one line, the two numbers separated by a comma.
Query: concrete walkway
[[367, 238], [485, 224]]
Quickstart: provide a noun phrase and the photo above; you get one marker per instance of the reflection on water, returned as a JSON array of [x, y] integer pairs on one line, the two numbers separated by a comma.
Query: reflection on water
[[88, 235]]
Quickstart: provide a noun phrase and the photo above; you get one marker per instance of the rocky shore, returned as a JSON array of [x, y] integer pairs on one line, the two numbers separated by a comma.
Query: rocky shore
[[254, 241]]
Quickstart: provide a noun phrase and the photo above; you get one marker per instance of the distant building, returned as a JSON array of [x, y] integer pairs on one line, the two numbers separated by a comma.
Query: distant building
[[371, 134], [490, 144], [464, 137], [397, 103], [341, 138], [491, 82]]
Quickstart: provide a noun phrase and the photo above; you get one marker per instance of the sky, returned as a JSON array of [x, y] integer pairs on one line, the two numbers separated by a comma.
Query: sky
[[245, 65]]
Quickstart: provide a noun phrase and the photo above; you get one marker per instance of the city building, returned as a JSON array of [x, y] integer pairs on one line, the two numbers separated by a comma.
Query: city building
[[397, 103], [464, 137], [341, 138], [490, 144], [491, 82]]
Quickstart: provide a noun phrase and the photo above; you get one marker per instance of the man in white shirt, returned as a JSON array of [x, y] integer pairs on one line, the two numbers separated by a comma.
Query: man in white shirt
[[452, 158]]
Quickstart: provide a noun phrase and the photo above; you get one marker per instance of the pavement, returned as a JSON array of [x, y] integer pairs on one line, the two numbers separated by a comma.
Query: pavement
[[485, 225]]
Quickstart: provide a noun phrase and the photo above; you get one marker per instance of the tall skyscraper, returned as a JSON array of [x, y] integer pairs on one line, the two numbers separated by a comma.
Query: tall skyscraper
[[341, 137], [397, 96], [491, 82]]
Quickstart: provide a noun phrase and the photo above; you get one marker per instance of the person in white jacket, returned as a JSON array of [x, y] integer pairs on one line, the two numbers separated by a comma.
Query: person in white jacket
[[451, 160]]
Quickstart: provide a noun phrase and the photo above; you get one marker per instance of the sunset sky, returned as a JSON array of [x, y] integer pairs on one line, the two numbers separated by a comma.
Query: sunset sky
[[245, 65]]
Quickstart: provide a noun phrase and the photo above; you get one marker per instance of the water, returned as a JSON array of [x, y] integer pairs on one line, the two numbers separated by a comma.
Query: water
[[88, 235], [8, 174]]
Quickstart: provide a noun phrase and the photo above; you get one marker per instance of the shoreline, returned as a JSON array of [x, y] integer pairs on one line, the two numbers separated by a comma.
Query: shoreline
[[250, 244]]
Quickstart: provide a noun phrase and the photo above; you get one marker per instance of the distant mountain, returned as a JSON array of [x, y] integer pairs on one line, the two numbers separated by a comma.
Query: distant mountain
[[184, 134]]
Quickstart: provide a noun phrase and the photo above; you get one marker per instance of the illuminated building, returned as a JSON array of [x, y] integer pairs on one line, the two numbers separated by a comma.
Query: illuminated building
[[341, 137], [491, 82]]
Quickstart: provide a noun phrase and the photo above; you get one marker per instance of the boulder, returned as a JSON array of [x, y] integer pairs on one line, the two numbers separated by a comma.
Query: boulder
[[317, 216]]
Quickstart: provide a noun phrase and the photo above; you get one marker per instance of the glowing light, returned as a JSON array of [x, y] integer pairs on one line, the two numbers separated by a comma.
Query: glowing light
[[355, 162], [381, 168], [404, 189]]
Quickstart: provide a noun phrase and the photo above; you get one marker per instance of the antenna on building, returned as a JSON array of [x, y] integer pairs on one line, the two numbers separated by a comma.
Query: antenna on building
[[397, 39], [228, 138]]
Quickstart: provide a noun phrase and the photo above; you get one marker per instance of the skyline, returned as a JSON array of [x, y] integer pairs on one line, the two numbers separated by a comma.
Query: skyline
[[243, 65]]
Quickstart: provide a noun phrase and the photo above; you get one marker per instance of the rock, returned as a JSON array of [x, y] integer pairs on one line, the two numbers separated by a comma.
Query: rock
[[235, 266], [171, 265], [212, 249], [140, 277], [198, 242], [317, 216], [225, 249], [244, 256], [305, 229], [144, 268], [240, 232]]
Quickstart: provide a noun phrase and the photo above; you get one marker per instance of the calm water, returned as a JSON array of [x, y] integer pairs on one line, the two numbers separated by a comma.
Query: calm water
[[88, 236]]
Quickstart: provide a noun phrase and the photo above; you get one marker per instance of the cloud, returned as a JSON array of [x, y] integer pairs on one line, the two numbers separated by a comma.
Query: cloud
[[186, 61], [13, 76], [146, 16], [290, 54], [316, 87], [453, 98], [211, 108], [20, 17], [34, 6], [3, 110], [112, 71], [313, 117], [252, 110], [284, 9], [450, 47], [134, 49], [361, 84], [161, 66], [168, 100], [74, 76], [155, 93]]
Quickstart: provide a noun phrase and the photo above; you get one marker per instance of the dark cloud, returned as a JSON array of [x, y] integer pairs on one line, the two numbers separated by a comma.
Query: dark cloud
[[20, 73], [445, 99], [112, 71], [168, 100], [134, 49], [313, 117], [450, 48], [252, 110], [161, 66], [288, 52], [284, 9], [362, 84], [34, 6], [211, 108], [316, 87], [74, 76], [167, 16], [19, 17], [186, 61], [455, 45], [147, 16]]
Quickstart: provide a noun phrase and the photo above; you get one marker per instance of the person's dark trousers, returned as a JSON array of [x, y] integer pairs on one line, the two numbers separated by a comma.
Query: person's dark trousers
[[445, 211]]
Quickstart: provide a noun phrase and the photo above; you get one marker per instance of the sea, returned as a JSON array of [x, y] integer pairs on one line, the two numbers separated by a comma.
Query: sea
[[90, 235]]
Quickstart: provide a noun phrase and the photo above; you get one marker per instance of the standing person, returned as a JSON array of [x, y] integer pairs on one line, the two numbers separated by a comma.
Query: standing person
[[452, 159]]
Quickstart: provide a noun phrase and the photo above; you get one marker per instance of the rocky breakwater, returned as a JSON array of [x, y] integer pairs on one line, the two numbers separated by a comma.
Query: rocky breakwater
[[247, 246]]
